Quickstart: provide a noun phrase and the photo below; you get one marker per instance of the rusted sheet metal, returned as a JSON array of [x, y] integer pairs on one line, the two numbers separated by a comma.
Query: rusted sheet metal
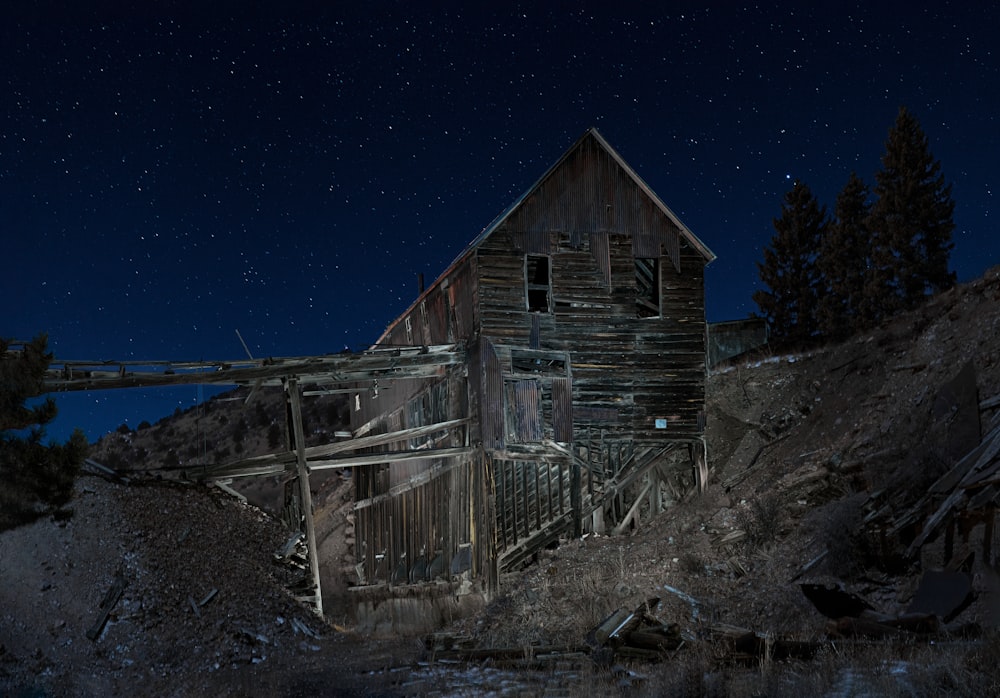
[[523, 410], [562, 409], [491, 380]]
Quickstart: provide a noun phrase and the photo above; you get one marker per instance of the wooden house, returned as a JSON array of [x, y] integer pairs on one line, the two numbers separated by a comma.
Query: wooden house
[[581, 317]]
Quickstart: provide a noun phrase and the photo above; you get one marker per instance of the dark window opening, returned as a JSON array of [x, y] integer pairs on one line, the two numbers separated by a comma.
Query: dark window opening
[[538, 283], [526, 362], [647, 282]]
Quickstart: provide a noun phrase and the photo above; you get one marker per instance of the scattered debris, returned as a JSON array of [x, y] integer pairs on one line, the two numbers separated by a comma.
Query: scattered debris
[[107, 605]]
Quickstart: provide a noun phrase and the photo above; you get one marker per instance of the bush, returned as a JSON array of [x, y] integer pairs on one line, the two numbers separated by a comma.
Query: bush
[[761, 520]]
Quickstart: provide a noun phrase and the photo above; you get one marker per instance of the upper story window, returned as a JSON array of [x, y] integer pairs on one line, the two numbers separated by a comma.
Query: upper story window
[[647, 283], [538, 283]]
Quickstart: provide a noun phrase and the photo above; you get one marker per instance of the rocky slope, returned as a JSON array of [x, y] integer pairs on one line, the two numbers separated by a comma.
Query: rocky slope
[[802, 448]]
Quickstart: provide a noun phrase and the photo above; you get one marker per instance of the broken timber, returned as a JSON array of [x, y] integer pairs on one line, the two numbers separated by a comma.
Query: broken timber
[[288, 373], [107, 605]]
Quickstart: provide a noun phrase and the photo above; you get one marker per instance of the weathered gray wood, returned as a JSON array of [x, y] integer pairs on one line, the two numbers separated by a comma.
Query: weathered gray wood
[[627, 519], [107, 605], [396, 364], [390, 457], [305, 494]]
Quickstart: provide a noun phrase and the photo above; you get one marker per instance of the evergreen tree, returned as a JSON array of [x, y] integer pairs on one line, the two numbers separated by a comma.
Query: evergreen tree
[[844, 256], [789, 268], [35, 479], [911, 222]]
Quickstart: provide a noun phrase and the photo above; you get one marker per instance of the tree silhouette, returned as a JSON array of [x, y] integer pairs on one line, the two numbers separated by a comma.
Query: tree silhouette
[[911, 222], [789, 269], [843, 261], [35, 479]]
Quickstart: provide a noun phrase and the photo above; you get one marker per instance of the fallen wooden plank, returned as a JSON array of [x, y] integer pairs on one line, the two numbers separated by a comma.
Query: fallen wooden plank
[[106, 606], [620, 528]]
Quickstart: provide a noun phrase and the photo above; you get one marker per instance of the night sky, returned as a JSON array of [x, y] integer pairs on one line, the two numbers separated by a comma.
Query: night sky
[[170, 176]]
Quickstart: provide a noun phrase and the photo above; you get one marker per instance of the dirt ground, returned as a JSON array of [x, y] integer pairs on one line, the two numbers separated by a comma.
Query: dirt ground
[[802, 448]]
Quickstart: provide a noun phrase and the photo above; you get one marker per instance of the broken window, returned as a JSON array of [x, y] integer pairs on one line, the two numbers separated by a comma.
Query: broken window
[[538, 283], [537, 362], [647, 283]]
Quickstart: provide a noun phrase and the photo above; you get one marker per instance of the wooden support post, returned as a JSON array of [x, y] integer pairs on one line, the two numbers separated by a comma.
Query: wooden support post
[[305, 495], [633, 512], [597, 520], [700, 465], [575, 499], [654, 493]]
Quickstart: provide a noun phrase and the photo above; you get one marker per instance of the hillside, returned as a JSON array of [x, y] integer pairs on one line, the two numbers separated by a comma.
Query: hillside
[[817, 462]]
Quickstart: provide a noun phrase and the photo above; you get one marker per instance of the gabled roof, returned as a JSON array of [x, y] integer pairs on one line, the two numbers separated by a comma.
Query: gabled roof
[[591, 134]]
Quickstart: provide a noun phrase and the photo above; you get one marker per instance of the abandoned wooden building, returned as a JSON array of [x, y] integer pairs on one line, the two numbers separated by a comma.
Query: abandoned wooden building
[[581, 311], [551, 381]]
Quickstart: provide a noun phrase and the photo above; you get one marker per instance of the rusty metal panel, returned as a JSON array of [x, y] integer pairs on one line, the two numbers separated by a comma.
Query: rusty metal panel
[[562, 410], [523, 411], [437, 317], [491, 377]]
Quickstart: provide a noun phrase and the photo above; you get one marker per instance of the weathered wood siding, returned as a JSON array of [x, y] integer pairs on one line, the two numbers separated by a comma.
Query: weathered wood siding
[[411, 512], [628, 372], [436, 524], [572, 347]]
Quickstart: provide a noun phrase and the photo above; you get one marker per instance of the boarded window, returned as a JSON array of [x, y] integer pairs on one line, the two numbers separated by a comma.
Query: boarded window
[[538, 283], [523, 411], [647, 283]]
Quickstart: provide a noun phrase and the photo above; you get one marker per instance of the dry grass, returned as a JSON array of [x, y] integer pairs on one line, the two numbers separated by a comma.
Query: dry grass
[[876, 669]]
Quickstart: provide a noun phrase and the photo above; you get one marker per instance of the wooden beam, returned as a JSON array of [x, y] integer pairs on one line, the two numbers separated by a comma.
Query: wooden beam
[[620, 528], [382, 439], [333, 369], [274, 463], [292, 387], [389, 457], [410, 483]]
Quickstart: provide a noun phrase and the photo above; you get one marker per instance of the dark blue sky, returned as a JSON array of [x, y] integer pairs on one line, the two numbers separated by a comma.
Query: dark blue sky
[[169, 176]]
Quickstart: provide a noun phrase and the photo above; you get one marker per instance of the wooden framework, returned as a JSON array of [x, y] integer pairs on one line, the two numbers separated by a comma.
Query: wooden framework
[[548, 382], [321, 373], [581, 308]]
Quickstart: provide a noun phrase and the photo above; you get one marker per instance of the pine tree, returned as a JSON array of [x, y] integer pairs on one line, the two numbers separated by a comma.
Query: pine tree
[[35, 479], [789, 269], [844, 256], [911, 222]]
